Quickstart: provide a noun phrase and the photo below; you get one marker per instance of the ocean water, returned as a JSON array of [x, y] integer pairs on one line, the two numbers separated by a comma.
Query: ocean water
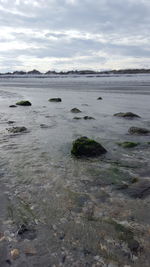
[[45, 187]]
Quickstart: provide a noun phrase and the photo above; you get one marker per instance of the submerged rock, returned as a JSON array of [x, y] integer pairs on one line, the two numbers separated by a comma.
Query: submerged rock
[[26, 232], [128, 115], [88, 118], [87, 147], [128, 144], [77, 118], [75, 110], [138, 131], [139, 189], [85, 118], [24, 103], [11, 122], [56, 99], [13, 106], [17, 129], [99, 98]]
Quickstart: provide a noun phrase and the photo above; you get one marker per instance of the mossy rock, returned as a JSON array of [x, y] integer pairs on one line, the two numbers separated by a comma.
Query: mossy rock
[[56, 99], [24, 103], [17, 129], [128, 144], [128, 115], [85, 147], [75, 110], [138, 131]]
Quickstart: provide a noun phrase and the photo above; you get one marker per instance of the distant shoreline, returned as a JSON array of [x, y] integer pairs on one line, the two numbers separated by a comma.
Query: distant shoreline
[[37, 73]]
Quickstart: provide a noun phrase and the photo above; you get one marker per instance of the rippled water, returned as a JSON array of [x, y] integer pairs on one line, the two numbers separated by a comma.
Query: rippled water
[[43, 186]]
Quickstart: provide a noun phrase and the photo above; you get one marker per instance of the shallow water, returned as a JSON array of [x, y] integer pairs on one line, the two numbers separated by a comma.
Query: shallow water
[[70, 202]]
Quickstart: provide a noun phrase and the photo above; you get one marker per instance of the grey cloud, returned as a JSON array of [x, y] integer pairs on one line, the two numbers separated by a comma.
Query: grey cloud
[[58, 19]]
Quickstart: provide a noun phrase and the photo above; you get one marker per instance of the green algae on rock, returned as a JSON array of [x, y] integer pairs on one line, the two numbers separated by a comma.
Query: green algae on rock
[[128, 144], [138, 131], [24, 103], [86, 147], [128, 115], [56, 99]]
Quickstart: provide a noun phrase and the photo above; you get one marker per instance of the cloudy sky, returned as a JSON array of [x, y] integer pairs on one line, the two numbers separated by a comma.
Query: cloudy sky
[[74, 34]]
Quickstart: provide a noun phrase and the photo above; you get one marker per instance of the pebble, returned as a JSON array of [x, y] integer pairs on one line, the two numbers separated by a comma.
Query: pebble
[[14, 253]]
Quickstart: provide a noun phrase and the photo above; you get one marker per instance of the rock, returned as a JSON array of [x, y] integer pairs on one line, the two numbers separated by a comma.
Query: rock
[[139, 189], [13, 106], [44, 126], [128, 115], [75, 110], [57, 99], [17, 129], [26, 232], [138, 131], [30, 251], [87, 147], [88, 118], [77, 118], [11, 122], [99, 98], [14, 253], [24, 103], [133, 245], [128, 144]]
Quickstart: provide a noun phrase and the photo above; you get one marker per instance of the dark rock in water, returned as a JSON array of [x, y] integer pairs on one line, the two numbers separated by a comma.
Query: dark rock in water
[[138, 131], [75, 110], [128, 144], [133, 245], [44, 126], [24, 103], [128, 115], [11, 122], [57, 99], [88, 118], [17, 129], [87, 147], [77, 118], [139, 189], [13, 106], [99, 98], [26, 232]]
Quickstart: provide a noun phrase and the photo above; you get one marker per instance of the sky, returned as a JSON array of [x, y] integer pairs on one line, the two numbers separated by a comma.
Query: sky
[[74, 34]]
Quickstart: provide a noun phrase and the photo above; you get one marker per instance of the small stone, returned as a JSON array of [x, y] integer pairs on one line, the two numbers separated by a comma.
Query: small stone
[[14, 253], [75, 110], [30, 251], [99, 98], [11, 122], [77, 118], [24, 103], [88, 118], [57, 99], [13, 106]]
